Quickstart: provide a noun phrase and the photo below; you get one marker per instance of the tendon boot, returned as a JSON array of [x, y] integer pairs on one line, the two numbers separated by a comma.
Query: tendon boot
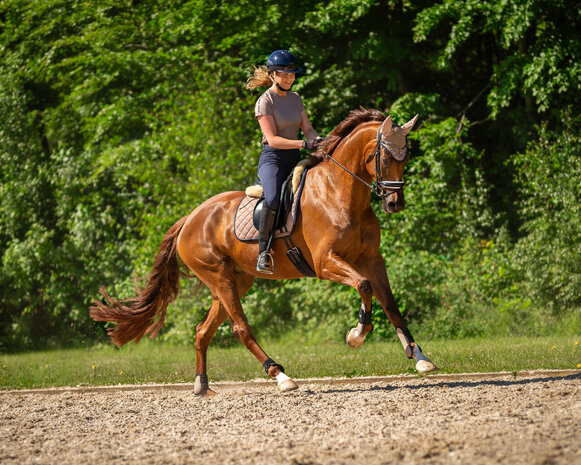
[[265, 263]]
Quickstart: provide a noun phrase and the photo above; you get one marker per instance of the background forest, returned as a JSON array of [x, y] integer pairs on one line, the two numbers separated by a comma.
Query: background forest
[[119, 117]]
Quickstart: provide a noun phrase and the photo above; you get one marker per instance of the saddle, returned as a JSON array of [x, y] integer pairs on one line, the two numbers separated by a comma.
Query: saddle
[[247, 216]]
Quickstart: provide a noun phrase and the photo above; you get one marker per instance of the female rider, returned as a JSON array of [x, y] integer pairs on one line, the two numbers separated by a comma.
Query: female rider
[[280, 114]]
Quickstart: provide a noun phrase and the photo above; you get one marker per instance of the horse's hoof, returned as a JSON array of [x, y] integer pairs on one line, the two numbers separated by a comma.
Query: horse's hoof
[[425, 366], [201, 387], [285, 384], [208, 392], [353, 338]]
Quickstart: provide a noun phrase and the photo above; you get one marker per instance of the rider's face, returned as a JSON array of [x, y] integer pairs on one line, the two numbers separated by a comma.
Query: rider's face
[[285, 80]]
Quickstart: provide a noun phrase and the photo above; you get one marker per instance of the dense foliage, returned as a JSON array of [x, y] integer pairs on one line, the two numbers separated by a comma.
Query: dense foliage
[[119, 117]]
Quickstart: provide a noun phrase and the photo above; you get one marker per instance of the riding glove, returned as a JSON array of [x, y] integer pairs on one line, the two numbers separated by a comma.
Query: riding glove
[[312, 144]]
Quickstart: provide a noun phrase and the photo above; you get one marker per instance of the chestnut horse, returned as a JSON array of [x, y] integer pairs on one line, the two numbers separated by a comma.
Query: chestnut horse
[[336, 229]]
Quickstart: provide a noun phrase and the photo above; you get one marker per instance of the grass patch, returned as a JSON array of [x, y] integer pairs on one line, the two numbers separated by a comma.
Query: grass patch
[[155, 362]]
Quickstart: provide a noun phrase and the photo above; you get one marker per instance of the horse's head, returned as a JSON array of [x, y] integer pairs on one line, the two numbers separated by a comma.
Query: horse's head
[[391, 156]]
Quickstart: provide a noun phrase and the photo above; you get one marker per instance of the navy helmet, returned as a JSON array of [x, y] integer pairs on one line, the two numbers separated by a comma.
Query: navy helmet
[[282, 60]]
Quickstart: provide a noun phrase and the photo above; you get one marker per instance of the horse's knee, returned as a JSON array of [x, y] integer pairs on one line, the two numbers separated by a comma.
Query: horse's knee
[[364, 288]]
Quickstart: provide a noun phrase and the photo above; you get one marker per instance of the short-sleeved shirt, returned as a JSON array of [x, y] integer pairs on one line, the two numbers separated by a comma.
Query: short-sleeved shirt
[[286, 112]]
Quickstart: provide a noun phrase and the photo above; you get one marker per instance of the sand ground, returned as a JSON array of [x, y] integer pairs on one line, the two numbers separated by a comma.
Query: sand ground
[[487, 419]]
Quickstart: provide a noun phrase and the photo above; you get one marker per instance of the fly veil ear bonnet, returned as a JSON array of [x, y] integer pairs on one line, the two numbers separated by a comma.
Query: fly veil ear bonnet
[[397, 152]]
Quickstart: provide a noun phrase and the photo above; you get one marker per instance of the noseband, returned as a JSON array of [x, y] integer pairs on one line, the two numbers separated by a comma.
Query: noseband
[[380, 187]]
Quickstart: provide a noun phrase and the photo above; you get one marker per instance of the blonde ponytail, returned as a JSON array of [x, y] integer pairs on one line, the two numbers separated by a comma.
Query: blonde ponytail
[[260, 78]]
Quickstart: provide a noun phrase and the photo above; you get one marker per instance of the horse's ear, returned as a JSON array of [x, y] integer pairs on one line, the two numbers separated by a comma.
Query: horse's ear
[[407, 127], [386, 127]]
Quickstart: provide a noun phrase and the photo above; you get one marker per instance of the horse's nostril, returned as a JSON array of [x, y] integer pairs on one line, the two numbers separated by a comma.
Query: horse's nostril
[[391, 205]]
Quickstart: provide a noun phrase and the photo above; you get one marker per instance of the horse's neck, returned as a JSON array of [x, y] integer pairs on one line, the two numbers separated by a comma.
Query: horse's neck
[[340, 188]]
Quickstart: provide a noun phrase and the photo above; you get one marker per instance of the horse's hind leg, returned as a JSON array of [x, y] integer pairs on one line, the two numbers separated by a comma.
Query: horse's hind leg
[[206, 330], [204, 333], [230, 300]]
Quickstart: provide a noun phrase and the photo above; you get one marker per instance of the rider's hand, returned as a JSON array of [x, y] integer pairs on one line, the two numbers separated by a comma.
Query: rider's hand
[[312, 144]]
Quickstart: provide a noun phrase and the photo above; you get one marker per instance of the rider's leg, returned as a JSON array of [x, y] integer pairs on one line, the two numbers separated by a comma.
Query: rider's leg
[[264, 263], [271, 177], [273, 168]]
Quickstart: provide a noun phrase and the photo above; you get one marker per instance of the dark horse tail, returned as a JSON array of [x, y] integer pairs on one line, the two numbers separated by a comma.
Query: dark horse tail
[[144, 313]]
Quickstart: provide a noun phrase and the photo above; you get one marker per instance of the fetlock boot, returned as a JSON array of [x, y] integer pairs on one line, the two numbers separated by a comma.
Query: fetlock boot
[[265, 264]]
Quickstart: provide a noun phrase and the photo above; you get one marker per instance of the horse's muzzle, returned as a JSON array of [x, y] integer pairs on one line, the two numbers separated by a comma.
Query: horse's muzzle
[[393, 203]]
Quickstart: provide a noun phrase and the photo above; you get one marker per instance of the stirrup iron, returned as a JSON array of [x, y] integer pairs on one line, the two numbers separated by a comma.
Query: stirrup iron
[[265, 263]]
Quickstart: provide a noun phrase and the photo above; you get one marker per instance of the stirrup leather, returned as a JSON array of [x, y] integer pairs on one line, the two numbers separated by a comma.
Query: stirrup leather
[[265, 263]]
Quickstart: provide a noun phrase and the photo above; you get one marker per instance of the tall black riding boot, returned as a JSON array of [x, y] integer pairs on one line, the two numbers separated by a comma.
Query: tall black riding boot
[[265, 263]]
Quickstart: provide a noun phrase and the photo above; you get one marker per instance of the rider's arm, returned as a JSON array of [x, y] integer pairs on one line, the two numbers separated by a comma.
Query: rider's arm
[[307, 127], [268, 128]]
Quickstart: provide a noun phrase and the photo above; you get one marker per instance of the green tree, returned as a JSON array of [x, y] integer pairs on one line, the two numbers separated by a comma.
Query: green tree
[[119, 117], [548, 255]]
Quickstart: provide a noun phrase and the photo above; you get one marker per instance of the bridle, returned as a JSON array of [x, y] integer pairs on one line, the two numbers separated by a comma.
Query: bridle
[[380, 187]]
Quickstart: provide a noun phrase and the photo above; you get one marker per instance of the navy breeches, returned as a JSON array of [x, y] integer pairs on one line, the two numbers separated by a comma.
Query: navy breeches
[[274, 167]]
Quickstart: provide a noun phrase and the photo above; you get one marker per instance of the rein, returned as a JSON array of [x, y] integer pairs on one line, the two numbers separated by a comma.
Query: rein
[[379, 186]]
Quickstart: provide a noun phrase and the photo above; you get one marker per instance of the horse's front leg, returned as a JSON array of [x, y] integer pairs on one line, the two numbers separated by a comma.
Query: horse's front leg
[[338, 270], [383, 293], [356, 336]]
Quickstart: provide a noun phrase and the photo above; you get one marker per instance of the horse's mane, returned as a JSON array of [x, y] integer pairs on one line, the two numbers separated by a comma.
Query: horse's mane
[[344, 128]]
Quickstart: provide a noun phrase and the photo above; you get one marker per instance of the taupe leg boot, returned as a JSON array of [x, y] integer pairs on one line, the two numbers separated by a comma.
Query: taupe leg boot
[[265, 263]]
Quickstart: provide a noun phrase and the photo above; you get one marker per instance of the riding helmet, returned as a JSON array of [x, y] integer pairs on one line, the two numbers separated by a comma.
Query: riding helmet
[[282, 60]]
